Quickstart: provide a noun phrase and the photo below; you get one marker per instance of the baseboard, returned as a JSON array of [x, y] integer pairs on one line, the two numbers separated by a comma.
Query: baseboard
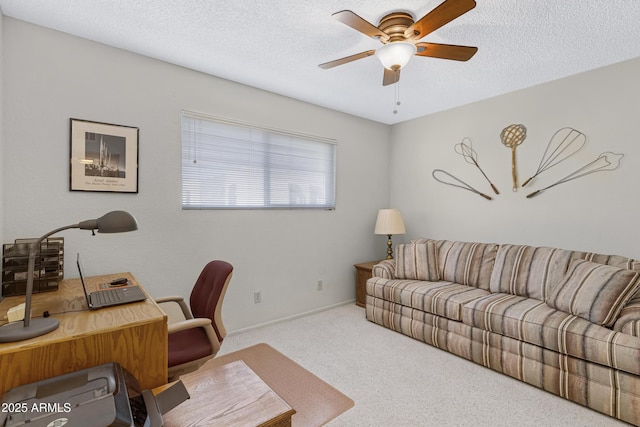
[[294, 316]]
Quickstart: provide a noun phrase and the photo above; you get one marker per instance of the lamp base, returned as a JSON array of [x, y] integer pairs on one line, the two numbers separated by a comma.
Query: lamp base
[[16, 331], [389, 247]]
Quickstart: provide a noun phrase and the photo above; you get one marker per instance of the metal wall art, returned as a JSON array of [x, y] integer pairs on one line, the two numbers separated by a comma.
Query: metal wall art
[[564, 143], [449, 179], [604, 162], [465, 149], [512, 136]]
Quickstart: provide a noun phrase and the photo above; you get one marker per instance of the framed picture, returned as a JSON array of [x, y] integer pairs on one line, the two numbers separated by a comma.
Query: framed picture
[[104, 157]]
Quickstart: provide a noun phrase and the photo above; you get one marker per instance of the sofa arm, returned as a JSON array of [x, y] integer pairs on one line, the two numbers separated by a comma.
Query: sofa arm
[[629, 320], [385, 269]]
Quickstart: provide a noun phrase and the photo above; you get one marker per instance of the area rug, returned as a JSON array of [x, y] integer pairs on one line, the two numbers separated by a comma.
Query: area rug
[[316, 402]]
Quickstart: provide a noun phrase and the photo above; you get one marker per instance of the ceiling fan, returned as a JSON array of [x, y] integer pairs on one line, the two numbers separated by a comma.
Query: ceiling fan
[[399, 35]]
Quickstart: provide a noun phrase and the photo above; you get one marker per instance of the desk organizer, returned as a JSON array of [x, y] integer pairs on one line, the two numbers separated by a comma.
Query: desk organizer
[[49, 267]]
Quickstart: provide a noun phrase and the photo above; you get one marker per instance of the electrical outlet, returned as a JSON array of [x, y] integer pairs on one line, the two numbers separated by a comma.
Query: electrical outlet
[[257, 297], [319, 285]]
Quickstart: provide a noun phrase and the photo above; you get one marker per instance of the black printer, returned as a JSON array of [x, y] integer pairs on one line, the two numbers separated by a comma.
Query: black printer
[[102, 396]]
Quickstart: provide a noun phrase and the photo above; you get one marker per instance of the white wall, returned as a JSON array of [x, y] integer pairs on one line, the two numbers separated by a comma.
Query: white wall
[[1, 133], [51, 77], [598, 212]]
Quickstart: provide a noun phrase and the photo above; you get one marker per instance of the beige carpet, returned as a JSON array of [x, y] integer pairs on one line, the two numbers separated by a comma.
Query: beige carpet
[[401, 382], [316, 402]]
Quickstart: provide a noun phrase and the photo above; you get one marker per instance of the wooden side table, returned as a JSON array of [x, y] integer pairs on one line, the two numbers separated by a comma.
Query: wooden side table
[[228, 395], [363, 273]]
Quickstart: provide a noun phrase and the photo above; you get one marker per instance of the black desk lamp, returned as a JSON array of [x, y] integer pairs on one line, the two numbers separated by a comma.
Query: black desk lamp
[[112, 222]]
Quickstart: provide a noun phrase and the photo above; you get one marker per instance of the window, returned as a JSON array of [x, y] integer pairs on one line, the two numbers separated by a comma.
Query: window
[[232, 165]]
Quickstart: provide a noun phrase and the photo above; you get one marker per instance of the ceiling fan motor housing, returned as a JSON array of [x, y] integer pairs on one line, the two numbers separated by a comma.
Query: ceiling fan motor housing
[[395, 24]]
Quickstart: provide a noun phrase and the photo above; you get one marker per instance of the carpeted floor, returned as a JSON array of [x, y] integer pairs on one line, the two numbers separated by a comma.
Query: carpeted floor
[[315, 401], [397, 381]]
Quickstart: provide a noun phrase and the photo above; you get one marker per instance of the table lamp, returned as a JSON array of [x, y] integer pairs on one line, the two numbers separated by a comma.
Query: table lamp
[[112, 222], [389, 222]]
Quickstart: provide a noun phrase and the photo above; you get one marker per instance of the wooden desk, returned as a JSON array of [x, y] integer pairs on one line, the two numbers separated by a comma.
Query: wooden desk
[[228, 395], [134, 335]]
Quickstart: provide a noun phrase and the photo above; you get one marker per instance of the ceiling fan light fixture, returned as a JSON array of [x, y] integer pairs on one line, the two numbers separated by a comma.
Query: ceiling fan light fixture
[[395, 55]]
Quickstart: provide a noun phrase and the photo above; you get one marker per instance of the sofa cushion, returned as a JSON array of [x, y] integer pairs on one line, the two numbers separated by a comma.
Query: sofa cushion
[[535, 322], [595, 292], [467, 263], [440, 298], [629, 319], [530, 271], [613, 260], [417, 261]]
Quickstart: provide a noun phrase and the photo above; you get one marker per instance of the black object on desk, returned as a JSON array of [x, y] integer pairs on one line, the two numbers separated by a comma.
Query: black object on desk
[[102, 396]]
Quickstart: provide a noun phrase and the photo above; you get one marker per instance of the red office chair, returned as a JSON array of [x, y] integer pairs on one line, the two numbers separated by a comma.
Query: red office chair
[[197, 338]]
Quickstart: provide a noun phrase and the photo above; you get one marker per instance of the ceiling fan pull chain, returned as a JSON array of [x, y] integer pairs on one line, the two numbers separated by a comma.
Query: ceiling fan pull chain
[[397, 96]]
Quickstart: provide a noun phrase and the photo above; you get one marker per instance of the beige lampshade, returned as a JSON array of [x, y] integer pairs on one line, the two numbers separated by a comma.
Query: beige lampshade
[[389, 222]]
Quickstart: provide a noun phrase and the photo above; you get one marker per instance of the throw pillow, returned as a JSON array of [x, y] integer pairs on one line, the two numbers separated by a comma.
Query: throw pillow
[[417, 261], [529, 271], [593, 291], [466, 263]]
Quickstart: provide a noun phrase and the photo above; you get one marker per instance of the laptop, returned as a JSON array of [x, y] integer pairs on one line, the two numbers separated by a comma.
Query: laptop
[[111, 296]]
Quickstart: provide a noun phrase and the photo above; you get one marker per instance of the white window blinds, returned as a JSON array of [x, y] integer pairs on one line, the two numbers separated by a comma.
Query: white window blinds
[[232, 165]]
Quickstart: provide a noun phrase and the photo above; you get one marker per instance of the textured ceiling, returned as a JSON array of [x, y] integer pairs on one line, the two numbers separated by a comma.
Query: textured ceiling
[[276, 45]]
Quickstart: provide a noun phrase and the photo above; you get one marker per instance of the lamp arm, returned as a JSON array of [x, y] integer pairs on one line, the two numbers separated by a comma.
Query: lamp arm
[[31, 266], [90, 224]]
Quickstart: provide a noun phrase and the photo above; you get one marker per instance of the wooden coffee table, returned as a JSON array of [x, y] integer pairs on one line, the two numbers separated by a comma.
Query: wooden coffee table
[[228, 395]]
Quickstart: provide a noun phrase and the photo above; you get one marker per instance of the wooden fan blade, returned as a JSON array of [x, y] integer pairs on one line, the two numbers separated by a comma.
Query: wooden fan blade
[[446, 51], [346, 59], [390, 77], [354, 21], [441, 15]]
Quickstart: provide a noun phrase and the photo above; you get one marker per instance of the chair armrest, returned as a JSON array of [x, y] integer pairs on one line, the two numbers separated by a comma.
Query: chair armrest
[[197, 323], [178, 300], [173, 298], [188, 324]]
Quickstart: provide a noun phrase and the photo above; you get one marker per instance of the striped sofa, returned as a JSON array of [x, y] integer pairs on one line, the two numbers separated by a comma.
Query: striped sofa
[[565, 321]]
